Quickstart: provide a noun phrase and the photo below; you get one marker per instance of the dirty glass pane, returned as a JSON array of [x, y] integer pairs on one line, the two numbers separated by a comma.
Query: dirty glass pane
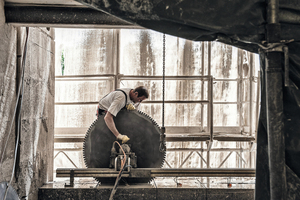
[[174, 89], [84, 51], [206, 60], [255, 117], [176, 159], [175, 114], [141, 53], [224, 61], [75, 115], [245, 95], [68, 159], [225, 115], [245, 114], [82, 91], [225, 91], [246, 66]]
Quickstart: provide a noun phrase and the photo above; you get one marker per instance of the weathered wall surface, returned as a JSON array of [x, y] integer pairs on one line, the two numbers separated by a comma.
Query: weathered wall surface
[[37, 126], [8, 57], [34, 163], [2, 16]]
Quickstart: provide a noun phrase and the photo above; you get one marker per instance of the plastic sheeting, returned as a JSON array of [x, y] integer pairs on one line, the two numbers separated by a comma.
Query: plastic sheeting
[[240, 23]]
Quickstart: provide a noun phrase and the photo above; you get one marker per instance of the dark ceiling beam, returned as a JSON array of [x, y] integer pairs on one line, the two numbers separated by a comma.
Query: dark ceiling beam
[[68, 17]]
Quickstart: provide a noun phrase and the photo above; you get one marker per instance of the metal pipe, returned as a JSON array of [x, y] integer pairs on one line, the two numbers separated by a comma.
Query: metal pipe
[[181, 138], [85, 79], [117, 59], [81, 77], [274, 102], [257, 104], [133, 77], [211, 108], [201, 157], [186, 159], [219, 102], [128, 77], [157, 172], [68, 149], [168, 163], [96, 102], [225, 159], [209, 58], [239, 156], [242, 159], [202, 149], [273, 10], [286, 66], [62, 17], [289, 16], [226, 79], [251, 78], [275, 128], [67, 157], [196, 101], [202, 85], [239, 86], [208, 166]]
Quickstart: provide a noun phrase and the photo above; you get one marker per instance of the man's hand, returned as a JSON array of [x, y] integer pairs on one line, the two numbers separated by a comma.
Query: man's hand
[[124, 138], [130, 107]]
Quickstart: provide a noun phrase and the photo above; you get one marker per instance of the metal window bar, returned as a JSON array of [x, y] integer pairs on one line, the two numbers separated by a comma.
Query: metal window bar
[[220, 150], [119, 77], [201, 157], [225, 159], [67, 157], [186, 159], [168, 164]]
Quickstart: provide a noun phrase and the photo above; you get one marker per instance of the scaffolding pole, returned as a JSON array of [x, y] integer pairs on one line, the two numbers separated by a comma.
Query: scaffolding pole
[[274, 97]]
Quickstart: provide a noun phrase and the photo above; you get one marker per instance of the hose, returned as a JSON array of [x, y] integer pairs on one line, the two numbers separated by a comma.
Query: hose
[[120, 173]]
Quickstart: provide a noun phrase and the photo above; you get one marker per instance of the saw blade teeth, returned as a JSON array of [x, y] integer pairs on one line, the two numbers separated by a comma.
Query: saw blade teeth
[[88, 136], [85, 138]]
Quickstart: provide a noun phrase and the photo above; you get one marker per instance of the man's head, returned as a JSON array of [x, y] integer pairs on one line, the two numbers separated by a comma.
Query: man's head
[[139, 94]]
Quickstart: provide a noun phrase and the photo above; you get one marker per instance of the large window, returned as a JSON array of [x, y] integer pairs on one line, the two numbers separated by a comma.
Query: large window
[[91, 63]]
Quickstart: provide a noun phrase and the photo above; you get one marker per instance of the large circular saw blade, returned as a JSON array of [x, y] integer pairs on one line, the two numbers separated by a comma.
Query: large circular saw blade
[[144, 136]]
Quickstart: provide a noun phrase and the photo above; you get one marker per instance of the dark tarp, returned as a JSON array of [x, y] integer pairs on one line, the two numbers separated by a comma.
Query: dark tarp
[[240, 23]]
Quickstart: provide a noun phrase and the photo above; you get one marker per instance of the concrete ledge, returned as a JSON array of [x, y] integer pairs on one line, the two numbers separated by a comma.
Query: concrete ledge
[[124, 193]]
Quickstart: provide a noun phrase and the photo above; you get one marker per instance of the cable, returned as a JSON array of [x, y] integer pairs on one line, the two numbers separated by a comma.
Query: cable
[[162, 146], [163, 83], [123, 162], [19, 117]]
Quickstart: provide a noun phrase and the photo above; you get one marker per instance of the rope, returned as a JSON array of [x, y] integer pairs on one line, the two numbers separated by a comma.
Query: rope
[[123, 162]]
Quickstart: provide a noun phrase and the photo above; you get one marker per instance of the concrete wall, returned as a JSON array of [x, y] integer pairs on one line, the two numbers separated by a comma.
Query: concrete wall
[[34, 163], [8, 58], [136, 193]]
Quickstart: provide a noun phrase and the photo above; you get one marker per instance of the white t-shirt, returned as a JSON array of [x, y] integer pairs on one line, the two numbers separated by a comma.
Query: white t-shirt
[[115, 101]]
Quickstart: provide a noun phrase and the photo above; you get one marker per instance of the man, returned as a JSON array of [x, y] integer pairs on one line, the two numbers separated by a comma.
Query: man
[[113, 102]]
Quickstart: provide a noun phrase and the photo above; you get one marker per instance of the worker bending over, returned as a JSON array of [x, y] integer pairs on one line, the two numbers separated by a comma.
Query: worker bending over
[[112, 103]]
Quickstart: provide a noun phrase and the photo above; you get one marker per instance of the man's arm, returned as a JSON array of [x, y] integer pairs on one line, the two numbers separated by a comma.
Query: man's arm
[[111, 124], [112, 127]]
